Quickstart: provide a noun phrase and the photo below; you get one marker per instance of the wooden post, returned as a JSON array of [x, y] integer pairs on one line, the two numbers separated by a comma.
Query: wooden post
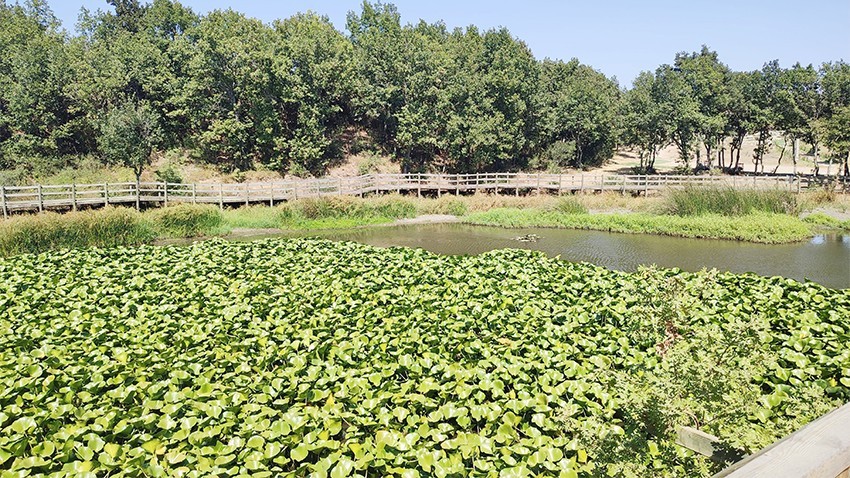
[[623, 191], [40, 199], [220, 196], [560, 181], [246, 194], [419, 185], [271, 194], [194, 193], [3, 199], [581, 183], [166, 192], [538, 184], [74, 196], [106, 193], [457, 184], [138, 195]]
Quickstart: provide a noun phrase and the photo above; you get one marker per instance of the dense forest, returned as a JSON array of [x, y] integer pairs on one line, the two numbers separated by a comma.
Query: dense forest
[[294, 96]]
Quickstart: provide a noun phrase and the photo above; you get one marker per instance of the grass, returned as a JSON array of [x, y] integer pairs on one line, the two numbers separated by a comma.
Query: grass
[[697, 201], [185, 220], [107, 227], [829, 222], [756, 216], [765, 228]]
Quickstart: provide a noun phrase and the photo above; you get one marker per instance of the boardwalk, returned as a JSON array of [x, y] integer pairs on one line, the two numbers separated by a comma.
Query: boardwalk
[[74, 196]]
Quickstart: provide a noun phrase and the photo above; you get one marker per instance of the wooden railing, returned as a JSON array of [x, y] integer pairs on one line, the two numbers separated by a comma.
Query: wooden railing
[[820, 449], [73, 196]]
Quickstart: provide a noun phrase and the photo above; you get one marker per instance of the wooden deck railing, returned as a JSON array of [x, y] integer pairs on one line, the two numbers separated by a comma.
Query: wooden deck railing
[[820, 449], [72, 196]]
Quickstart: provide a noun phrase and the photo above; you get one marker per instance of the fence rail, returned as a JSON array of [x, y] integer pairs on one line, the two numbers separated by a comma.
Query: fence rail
[[72, 196]]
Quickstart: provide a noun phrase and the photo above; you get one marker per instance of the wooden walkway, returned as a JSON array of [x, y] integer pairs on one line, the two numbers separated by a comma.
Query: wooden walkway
[[74, 196], [820, 449]]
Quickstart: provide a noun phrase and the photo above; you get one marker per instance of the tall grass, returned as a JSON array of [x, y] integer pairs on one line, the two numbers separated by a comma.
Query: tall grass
[[106, 227], [697, 201], [185, 220]]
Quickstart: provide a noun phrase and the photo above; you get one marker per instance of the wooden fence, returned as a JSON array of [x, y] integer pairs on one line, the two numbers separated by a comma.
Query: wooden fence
[[73, 196]]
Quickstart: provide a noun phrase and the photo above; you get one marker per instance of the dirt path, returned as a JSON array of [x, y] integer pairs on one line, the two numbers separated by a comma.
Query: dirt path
[[426, 219]]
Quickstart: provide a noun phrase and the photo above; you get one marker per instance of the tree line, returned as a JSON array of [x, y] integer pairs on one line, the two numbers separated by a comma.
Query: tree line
[[290, 96]]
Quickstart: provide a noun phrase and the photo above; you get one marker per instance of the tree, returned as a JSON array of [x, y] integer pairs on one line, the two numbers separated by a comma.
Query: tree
[[36, 113], [230, 92], [645, 124], [708, 79], [578, 104], [314, 74], [835, 126], [129, 135], [679, 103]]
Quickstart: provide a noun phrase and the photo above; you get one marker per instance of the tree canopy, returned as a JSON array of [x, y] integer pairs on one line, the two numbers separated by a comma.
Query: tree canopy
[[239, 93]]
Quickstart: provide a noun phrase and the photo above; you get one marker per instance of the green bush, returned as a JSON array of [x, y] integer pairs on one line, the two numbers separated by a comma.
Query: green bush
[[108, 227], [185, 220], [726, 201]]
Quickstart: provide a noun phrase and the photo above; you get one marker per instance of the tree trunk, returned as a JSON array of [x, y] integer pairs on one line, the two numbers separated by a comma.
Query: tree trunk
[[817, 157], [138, 190], [796, 153]]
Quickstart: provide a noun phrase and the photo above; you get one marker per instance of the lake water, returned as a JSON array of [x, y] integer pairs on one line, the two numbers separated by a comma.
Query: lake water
[[824, 259]]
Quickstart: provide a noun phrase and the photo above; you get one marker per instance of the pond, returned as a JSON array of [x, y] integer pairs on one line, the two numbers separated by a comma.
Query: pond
[[824, 259]]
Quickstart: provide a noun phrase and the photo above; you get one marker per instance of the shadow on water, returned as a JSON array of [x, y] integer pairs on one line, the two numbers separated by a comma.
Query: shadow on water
[[824, 259]]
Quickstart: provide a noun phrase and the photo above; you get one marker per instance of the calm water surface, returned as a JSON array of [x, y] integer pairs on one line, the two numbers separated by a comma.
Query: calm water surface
[[824, 259]]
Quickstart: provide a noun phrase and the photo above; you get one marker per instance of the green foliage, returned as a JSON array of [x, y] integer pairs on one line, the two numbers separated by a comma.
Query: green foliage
[[185, 220], [129, 135], [578, 105], [695, 201], [821, 219], [242, 94], [310, 356], [169, 174], [108, 227], [754, 227]]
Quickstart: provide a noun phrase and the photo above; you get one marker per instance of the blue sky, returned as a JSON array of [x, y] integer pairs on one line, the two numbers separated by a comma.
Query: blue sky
[[619, 38]]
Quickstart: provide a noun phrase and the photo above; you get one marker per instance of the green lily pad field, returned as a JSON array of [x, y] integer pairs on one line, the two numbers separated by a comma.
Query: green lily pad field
[[316, 358]]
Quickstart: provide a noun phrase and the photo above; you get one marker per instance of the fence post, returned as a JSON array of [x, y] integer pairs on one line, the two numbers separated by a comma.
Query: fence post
[[581, 183], [221, 196], [166, 193], [271, 194], [247, 193], [74, 196], [194, 193], [40, 199], [138, 195], [623, 191], [538, 184], [3, 198], [457, 184], [106, 193]]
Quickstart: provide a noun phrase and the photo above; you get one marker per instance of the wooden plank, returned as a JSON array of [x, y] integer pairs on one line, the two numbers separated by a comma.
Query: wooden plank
[[706, 444], [820, 449]]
